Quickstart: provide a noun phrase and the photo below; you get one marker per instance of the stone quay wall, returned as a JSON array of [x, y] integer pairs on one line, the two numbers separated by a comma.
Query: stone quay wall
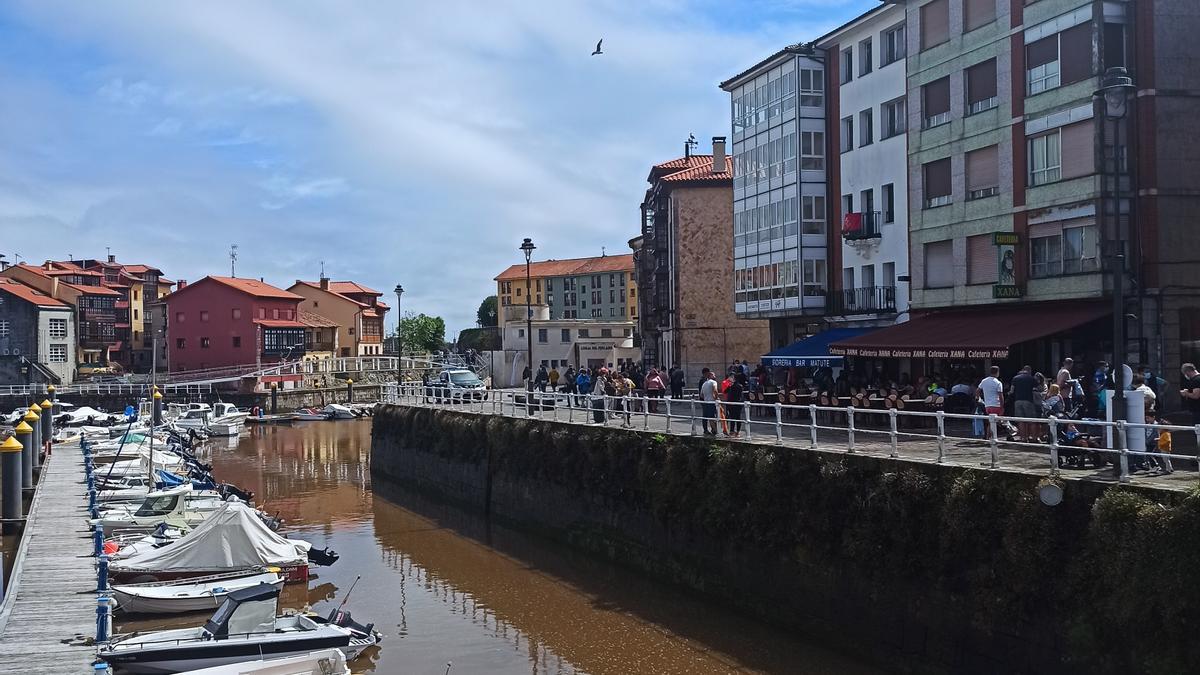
[[922, 567]]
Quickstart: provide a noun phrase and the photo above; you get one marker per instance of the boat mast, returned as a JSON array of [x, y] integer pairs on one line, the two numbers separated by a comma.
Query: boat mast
[[153, 391]]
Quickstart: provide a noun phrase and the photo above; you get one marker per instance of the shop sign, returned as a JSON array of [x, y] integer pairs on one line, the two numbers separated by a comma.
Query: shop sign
[[1006, 262], [889, 353], [804, 361]]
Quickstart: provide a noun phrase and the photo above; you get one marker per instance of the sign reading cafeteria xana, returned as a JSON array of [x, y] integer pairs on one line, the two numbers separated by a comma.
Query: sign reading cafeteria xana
[[920, 353]]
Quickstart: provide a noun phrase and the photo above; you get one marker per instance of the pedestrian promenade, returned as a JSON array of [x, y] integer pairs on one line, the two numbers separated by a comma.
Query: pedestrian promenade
[[48, 617]]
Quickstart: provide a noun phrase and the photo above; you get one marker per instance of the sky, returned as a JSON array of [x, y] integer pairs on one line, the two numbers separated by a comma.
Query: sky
[[393, 141]]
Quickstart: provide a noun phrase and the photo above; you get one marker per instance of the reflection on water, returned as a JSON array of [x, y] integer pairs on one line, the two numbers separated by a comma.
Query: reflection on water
[[444, 586]]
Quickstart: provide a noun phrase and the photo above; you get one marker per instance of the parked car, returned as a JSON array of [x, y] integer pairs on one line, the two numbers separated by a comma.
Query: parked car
[[455, 385]]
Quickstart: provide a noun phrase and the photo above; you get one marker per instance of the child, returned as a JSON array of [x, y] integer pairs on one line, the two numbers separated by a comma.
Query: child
[[1164, 446]]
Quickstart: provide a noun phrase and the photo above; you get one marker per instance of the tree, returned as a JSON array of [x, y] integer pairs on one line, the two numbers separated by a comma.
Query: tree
[[487, 313], [421, 333]]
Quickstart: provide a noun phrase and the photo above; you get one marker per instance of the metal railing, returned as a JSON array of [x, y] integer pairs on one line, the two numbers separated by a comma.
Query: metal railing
[[864, 300], [114, 389], [1057, 438]]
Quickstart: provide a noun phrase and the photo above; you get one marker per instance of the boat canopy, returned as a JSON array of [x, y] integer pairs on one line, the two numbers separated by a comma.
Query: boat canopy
[[232, 537], [248, 610]]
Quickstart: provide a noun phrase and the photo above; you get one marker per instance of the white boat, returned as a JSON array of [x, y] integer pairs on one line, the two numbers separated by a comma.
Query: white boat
[[188, 595], [309, 415], [244, 627], [169, 507], [335, 411], [324, 662], [222, 419]]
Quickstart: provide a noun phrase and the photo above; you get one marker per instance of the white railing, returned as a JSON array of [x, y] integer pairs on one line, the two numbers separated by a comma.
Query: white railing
[[933, 431], [102, 389]]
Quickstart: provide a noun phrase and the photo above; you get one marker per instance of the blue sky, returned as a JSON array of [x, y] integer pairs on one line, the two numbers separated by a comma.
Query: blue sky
[[396, 141]]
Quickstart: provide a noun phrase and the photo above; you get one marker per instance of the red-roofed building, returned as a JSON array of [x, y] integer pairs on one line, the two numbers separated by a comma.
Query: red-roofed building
[[225, 321], [685, 271], [600, 287], [356, 309], [37, 336]]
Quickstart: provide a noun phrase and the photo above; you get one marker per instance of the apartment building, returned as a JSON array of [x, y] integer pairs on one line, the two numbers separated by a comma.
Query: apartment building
[[867, 95], [782, 240], [688, 315], [37, 336], [599, 287], [95, 311], [355, 309]]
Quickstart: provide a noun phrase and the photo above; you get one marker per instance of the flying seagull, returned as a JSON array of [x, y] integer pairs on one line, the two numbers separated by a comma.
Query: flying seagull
[[598, 47]]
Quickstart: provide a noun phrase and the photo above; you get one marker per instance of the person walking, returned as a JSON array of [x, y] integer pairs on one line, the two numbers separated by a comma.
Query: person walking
[[583, 387], [527, 378], [735, 394], [708, 402], [541, 378], [677, 381], [991, 392], [624, 391], [554, 379], [655, 387], [1025, 402]]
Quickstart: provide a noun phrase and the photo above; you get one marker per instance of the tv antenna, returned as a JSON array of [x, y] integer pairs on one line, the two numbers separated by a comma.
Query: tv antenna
[[690, 145], [233, 260], [322, 269]]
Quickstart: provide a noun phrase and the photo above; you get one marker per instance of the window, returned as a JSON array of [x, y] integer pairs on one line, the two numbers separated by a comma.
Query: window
[[612, 280], [275, 313], [622, 295], [847, 204], [1114, 45], [205, 343], [892, 118], [237, 313], [812, 214], [1045, 256], [565, 335], [812, 88], [814, 277], [58, 329], [935, 23], [867, 201], [1045, 158], [812, 150], [549, 286], [935, 102], [982, 265], [937, 183], [1080, 249], [892, 45], [58, 353], [5, 328], [889, 203], [847, 65], [865, 57], [178, 317], [520, 332], [981, 87], [605, 332], [978, 13], [237, 342], [939, 264], [180, 343], [847, 139], [262, 312], [584, 332], [983, 172], [887, 276], [1042, 66], [203, 316], [612, 296], [866, 127], [543, 336]]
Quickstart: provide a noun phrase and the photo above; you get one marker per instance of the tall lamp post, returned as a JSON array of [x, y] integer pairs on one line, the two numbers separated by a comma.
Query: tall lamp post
[[399, 344], [527, 248], [492, 346]]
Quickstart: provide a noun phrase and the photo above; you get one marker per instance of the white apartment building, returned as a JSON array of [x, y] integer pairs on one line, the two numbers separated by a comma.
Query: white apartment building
[[559, 344], [868, 168]]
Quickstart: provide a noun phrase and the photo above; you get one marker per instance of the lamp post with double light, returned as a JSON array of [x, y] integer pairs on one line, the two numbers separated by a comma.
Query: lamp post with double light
[[399, 343], [527, 248]]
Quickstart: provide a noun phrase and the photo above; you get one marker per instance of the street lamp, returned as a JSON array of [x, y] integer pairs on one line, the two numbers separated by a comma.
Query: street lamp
[[527, 248], [1112, 99], [399, 343], [492, 346]]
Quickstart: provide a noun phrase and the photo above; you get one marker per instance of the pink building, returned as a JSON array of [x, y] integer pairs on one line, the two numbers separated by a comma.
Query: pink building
[[219, 322]]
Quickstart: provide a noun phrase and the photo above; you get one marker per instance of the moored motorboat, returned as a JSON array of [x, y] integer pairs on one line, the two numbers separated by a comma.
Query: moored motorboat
[[244, 627], [335, 411], [189, 595], [324, 662]]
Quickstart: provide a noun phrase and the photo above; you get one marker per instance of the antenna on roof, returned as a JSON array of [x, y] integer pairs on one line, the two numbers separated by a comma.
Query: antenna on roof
[[603, 251], [689, 146], [322, 269], [233, 260]]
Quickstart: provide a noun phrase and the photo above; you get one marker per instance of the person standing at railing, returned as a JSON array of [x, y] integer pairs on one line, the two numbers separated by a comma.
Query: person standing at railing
[[677, 381], [1191, 391], [655, 388], [583, 386], [1025, 402], [708, 403], [991, 391], [735, 394], [624, 390]]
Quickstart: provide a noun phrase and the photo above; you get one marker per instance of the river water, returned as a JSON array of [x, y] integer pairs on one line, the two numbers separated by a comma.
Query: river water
[[445, 587]]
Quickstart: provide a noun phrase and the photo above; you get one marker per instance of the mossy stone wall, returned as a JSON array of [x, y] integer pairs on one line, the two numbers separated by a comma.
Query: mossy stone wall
[[924, 567]]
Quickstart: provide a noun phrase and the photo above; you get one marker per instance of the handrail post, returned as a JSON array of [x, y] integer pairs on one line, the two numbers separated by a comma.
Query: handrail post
[[850, 428], [892, 433], [941, 436], [668, 399], [1053, 444], [995, 440], [778, 423], [1124, 477], [812, 424], [693, 407], [555, 412], [645, 414]]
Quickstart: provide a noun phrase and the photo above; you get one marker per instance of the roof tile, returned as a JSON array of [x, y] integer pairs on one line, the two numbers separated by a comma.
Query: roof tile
[[572, 266]]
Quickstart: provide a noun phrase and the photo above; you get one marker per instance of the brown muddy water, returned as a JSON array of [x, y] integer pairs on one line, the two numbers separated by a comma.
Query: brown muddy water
[[444, 586]]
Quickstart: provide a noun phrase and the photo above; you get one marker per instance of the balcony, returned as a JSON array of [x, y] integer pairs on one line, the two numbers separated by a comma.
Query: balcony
[[865, 300], [862, 225]]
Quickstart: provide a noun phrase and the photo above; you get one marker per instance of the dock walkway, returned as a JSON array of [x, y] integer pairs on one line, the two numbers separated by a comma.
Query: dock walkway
[[48, 618]]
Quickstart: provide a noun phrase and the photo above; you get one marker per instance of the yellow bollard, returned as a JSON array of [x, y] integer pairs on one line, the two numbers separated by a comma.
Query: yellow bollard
[[47, 424], [29, 457], [10, 465]]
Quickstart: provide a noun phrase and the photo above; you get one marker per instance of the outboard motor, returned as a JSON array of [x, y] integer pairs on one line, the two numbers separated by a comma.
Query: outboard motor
[[341, 617], [324, 557]]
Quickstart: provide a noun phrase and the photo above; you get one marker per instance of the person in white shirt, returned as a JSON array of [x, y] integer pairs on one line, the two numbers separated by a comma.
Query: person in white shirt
[[708, 403], [992, 392]]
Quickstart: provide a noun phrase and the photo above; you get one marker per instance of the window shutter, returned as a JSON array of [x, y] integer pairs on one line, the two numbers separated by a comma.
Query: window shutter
[[981, 81], [1041, 52], [1045, 229], [978, 13], [981, 260], [1078, 149], [936, 97], [935, 23], [937, 178], [939, 264], [1076, 48], [983, 168]]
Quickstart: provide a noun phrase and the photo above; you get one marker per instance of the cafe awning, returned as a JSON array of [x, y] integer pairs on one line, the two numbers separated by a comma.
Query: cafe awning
[[812, 351], [986, 333]]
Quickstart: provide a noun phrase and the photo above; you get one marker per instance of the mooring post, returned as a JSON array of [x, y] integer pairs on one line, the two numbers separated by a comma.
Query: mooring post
[[103, 617], [11, 451], [32, 448], [98, 541], [156, 409], [274, 399], [349, 391], [47, 427]]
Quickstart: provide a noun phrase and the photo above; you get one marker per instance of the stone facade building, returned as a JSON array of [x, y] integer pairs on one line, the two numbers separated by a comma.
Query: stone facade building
[[37, 336]]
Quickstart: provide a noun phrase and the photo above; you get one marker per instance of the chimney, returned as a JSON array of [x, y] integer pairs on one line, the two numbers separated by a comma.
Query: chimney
[[179, 285], [718, 154], [112, 258], [324, 283]]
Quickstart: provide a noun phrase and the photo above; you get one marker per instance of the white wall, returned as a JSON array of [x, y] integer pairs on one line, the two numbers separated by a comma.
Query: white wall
[[66, 370]]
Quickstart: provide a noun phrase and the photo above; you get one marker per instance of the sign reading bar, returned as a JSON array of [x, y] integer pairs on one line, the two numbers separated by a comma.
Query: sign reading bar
[[803, 361], [893, 353]]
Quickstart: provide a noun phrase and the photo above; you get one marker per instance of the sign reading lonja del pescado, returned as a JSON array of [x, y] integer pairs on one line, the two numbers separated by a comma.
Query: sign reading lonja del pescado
[[921, 353]]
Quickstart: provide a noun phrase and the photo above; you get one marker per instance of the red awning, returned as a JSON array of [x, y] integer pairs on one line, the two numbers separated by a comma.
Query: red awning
[[278, 323], [970, 334]]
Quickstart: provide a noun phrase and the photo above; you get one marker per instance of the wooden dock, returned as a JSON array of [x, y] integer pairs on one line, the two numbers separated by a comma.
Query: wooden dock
[[48, 618]]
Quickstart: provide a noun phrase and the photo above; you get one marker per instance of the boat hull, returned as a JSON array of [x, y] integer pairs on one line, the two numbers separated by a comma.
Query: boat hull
[[293, 573], [135, 600], [181, 658]]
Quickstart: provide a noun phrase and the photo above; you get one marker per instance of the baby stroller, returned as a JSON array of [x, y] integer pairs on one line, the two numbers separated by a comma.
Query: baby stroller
[[1075, 448]]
